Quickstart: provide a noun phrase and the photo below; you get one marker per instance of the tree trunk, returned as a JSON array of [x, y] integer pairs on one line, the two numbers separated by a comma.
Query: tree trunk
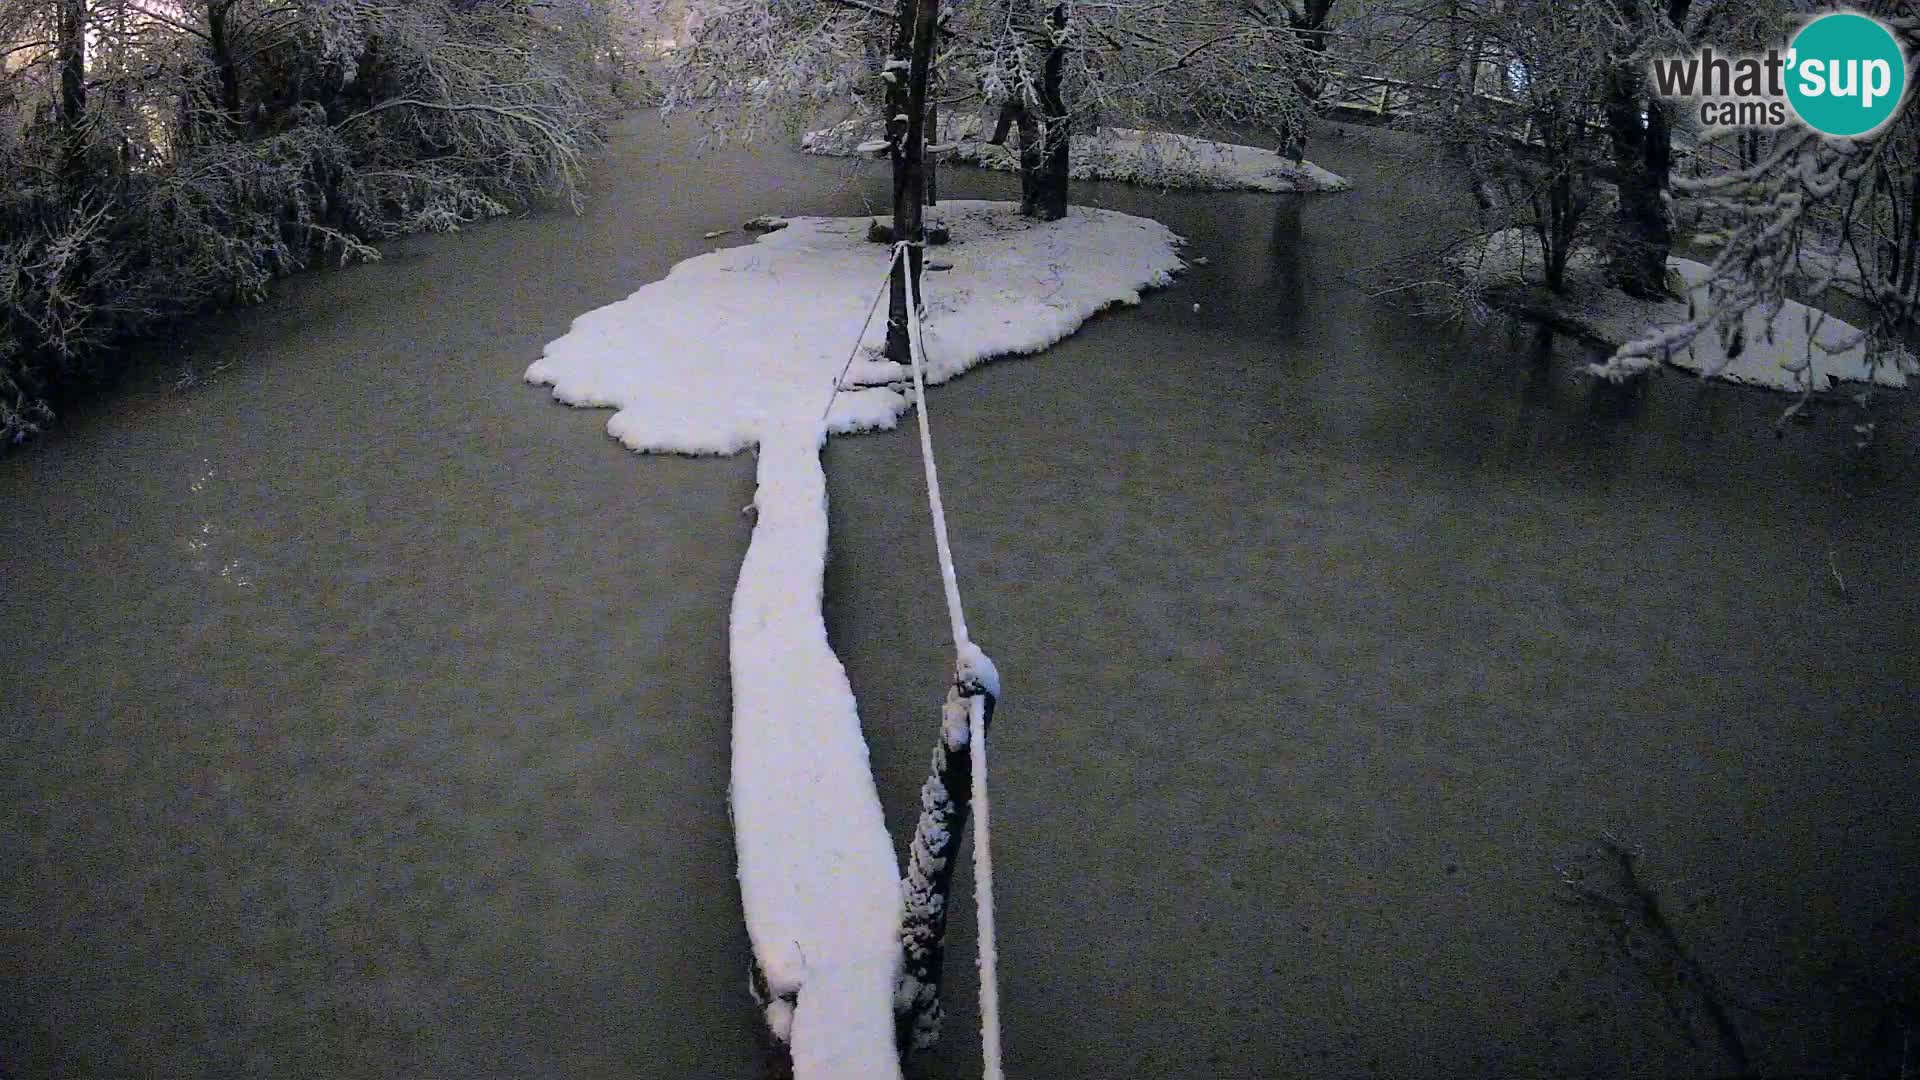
[[909, 164], [933, 164], [72, 47], [1642, 152], [220, 48], [1643, 158], [1002, 125], [1562, 224], [1055, 172], [896, 129], [1032, 160], [1906, 257], [1309, 25]]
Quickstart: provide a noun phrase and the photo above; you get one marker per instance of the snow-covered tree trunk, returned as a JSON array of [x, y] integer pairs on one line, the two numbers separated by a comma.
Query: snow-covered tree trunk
[[945, 800]]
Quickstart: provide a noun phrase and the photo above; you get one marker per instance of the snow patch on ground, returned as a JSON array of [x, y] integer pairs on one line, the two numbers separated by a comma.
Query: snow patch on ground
[[1509, 265], [741, 348], [1154, 158]]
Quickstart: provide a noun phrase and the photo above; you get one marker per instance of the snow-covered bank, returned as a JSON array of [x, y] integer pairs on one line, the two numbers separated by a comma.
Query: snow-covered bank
[[1801, 344], [1816, 265], [1154, 158], [740, 348]]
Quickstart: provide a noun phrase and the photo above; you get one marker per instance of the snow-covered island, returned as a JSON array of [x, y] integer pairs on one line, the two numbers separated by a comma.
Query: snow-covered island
[[1131, 155], [741, 348], [1800, 345]]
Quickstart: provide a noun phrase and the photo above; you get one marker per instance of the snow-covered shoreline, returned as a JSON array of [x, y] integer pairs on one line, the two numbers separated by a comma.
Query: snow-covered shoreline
[[1508, 267], [741, 348], [1130, 155]]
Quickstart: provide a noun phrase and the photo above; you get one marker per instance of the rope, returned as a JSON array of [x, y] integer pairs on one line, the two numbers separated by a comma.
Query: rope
[[989, 961], [839, 381], [965, 658], [916, 337]]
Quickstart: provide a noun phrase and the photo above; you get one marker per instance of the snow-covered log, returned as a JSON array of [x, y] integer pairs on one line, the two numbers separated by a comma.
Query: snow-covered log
[[928, 885]]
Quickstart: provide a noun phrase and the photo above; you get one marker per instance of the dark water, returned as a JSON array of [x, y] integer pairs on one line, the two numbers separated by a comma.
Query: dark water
[[367, 712]]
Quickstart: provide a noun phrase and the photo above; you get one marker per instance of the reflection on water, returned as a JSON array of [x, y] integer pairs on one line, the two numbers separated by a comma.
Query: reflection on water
[[1289, 271]]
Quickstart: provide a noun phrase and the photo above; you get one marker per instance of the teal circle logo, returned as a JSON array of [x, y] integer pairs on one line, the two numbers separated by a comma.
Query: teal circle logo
[[1846, 74]]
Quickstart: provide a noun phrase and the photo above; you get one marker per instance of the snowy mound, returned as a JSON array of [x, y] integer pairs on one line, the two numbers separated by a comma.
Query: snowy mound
[[746, 338], [1772, 357], [1154, 158], [739, 348], [1772, 353]]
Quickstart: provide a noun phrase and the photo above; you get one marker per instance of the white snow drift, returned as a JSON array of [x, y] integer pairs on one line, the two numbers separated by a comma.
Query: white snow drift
[[1154, 158], [740, 348]]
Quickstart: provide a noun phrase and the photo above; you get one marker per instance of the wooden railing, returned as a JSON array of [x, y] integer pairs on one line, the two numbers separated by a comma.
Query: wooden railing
[[1381, 97]]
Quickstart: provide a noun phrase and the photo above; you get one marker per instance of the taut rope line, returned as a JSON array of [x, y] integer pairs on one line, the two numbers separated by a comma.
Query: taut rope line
[[968, 662], [974, 673]]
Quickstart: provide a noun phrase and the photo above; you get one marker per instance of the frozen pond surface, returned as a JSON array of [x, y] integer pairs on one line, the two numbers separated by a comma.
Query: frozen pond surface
[[366, 712]]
